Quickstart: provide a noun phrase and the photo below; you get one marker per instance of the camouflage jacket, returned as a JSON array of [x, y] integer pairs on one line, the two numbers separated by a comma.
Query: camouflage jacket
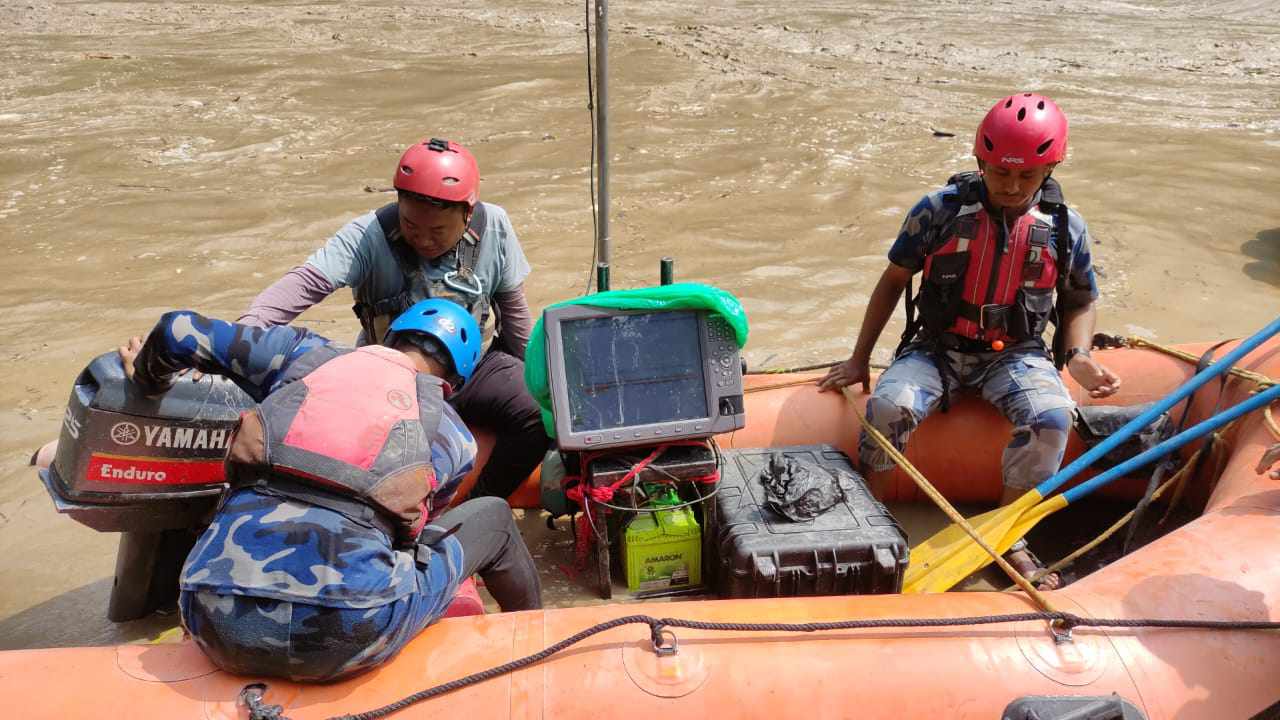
[[262, 545]]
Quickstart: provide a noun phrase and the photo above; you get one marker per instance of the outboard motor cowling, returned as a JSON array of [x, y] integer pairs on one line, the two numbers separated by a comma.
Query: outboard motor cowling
[[128, 462]]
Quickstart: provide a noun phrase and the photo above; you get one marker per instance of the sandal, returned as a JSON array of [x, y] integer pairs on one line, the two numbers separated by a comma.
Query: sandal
[[1032, 567]]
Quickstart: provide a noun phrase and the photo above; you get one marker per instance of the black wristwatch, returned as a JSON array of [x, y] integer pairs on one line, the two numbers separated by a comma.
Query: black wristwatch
[[1072, 352]]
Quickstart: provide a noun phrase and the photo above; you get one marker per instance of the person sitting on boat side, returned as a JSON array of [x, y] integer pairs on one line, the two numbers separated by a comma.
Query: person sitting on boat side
[[436, 240], [994, 247], [332, 548]]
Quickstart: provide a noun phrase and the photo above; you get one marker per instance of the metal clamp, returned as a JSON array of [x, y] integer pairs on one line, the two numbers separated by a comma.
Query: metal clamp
[[663, 649]]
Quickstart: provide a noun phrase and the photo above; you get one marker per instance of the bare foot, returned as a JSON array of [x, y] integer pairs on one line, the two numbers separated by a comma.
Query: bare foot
[[1024, 562]]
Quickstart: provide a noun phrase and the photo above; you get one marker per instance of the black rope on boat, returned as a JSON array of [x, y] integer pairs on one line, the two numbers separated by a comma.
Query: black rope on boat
[[664, 642]]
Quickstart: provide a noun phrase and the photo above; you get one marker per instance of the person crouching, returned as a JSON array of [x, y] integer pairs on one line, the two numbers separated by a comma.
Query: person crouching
[[333, 547]]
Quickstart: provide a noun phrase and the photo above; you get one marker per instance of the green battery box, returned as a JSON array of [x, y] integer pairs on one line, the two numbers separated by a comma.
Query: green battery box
[[663, 549]]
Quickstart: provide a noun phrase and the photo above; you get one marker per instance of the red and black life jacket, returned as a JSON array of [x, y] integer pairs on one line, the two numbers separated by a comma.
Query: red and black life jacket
[[350, 430], [989, 282]]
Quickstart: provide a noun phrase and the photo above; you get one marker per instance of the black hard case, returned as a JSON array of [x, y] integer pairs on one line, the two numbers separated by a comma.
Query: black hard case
[[854, 548]]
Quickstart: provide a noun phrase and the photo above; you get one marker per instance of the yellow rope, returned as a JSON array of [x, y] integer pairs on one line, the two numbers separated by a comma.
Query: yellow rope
[[775, 386], [1262, 381], [1215, 442], [928, 489]]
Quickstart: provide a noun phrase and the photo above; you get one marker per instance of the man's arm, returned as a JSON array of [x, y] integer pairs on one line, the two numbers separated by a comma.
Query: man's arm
[[343, 261], [287, 298], [251, 357], [515, 320], [1093, 376], [906, 258], [1079, 324], [857, 369], [1079, 315]]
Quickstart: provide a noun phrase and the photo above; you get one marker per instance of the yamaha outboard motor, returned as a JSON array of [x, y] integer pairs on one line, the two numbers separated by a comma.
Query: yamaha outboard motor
[[148, 467]]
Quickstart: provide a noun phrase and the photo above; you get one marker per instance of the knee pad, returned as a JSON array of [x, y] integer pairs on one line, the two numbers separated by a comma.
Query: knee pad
[[888, 415]]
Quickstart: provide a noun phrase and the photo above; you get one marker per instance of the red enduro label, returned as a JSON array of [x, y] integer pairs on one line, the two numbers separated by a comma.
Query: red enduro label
[[142, 470]]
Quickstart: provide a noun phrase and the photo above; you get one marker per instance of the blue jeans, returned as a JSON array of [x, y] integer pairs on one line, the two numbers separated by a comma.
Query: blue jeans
[[1022, 384]]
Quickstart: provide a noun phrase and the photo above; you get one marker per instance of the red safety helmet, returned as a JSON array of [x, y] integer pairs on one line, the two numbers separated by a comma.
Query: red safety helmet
[[439, 169], [1022, 131]]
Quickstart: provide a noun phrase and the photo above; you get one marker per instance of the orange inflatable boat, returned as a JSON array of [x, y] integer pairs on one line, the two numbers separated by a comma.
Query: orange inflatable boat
[[1218, 567]]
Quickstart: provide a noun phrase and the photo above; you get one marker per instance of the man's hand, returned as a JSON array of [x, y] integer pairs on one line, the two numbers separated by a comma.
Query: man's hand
[[1269, 458], [1093, 376], [128, 353], [848, 372]]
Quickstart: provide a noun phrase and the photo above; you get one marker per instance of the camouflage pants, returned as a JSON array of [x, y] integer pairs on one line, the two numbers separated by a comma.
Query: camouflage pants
[[1022, 385]]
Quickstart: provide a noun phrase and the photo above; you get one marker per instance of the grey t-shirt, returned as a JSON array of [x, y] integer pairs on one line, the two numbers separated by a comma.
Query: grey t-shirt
[[358, 257]]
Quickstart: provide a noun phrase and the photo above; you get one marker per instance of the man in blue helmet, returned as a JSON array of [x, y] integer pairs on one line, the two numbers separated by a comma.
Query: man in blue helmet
[[333, 547]]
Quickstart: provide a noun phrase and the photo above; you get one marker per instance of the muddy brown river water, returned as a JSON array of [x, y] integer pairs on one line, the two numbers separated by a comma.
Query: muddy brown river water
[[157, 155]]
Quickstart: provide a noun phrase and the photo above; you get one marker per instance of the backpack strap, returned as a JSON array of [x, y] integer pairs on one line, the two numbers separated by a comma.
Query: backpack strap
[[968, 192], [1054, 204], [469, 247]]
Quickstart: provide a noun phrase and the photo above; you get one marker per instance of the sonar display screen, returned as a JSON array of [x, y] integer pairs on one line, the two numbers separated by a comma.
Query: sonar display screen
[[631, 370]]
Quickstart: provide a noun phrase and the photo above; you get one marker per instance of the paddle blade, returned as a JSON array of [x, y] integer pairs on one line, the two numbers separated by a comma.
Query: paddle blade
[[946, 544], [939, 573], [951, 539], [942, 575]]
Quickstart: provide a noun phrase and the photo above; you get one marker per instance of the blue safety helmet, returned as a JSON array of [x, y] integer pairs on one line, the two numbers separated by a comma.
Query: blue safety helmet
[[448, 323]]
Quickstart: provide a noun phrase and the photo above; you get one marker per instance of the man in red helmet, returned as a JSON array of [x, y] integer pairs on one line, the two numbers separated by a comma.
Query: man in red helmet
[[1001, 256], [439, 241]]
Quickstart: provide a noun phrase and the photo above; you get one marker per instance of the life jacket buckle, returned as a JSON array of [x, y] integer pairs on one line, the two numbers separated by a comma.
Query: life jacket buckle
[[993, 317]]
